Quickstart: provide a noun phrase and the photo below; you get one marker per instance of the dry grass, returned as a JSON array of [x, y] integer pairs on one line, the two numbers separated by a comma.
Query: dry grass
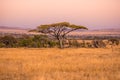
[[56, 64]]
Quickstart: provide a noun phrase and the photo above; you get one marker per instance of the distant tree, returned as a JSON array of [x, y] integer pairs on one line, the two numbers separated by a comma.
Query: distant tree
[[98, 44], [114, 41], [25, 43], [58, 30], [41, 40], [8, 41]]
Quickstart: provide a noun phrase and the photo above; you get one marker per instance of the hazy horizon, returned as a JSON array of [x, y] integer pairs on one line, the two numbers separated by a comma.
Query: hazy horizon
[[94, 14]]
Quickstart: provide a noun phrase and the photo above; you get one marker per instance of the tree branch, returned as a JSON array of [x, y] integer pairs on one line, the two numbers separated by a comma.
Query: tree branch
[[70, 31]]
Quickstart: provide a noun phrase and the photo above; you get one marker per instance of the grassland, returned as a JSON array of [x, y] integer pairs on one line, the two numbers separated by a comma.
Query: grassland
[[56, 64]]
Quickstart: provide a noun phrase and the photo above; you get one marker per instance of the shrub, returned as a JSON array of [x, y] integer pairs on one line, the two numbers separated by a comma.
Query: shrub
[[8, 41], [52, 43], [2, 45], [113, 41], [74, 43], [41, 40], [25, 43], [88, 45], [98, 44]]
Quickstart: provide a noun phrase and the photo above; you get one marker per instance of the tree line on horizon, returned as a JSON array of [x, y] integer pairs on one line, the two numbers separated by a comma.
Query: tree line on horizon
[[55, 35], [43, 41]]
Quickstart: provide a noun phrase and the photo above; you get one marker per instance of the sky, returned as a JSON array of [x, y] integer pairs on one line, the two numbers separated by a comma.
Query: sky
[[94, 14]]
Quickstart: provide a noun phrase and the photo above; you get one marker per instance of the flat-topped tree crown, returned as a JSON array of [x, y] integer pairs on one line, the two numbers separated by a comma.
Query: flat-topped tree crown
[[59, 30], [77, 26], [61, 24]]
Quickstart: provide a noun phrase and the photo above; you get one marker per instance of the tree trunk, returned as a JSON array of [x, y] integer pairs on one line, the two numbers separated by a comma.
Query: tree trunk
[[61, 43]]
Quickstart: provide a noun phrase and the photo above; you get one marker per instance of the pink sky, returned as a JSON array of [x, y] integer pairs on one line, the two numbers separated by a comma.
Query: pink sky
[[31, 13]]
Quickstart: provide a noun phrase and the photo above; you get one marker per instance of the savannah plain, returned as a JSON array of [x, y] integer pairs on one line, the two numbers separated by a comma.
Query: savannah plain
[[57, 64], [33, 47], [60, 64]]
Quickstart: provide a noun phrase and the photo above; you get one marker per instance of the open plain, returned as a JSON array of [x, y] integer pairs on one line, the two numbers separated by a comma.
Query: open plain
[[60, 64]]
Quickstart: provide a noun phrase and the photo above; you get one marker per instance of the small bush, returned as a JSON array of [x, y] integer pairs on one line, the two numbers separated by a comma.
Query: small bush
[[8, 41], [113, 41], [98, 44], [74, 43]]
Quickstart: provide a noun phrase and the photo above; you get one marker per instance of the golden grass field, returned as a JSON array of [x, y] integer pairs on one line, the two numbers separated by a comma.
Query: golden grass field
[[57, 64]]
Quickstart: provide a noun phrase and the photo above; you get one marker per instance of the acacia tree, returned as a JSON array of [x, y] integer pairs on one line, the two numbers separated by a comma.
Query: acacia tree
[[58, 30]]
